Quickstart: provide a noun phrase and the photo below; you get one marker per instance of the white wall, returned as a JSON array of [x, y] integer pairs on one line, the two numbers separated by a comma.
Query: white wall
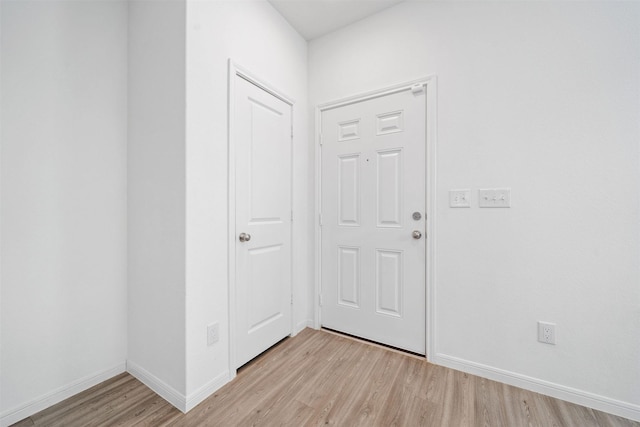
[[156, 195], [178, 282], [257, 38], [539, 97], [63, 175], [542, 98]]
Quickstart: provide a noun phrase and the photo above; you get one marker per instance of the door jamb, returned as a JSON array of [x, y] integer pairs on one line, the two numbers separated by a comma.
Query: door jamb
[[235, 70], [429, 84]]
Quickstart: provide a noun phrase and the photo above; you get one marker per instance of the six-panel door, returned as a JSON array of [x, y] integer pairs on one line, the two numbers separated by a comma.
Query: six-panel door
[[373, 181]]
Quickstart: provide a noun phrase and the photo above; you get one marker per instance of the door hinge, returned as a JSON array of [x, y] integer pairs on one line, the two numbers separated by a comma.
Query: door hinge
[[292, 132], [320, 300], [291, 215], [320, 219], [320, 138], [291, 299]]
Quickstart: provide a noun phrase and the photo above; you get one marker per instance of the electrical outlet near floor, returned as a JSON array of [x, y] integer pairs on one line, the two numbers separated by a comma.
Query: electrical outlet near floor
[[547, 332], [213, 333]]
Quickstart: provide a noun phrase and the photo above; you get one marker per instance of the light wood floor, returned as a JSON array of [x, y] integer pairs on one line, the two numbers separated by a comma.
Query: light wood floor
[[320, 378]]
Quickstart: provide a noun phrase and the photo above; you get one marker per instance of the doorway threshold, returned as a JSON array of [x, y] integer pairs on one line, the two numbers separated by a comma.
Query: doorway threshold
[[374, 343]]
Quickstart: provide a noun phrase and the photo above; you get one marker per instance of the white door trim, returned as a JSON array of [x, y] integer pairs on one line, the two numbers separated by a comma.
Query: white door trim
[[429, 84], [236, 70]]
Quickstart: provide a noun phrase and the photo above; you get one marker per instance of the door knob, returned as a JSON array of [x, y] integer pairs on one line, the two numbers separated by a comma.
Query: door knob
[[416, 234], [244, 237]]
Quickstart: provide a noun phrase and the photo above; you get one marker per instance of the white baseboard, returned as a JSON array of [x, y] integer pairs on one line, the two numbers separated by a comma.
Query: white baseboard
[[579, 397], [302, 325], [207, 390], [171, 395], [21, 412], [161, 388]]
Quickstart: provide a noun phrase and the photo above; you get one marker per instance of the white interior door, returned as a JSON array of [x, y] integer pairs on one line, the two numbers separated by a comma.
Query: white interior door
[[262, 138], [373, 219]]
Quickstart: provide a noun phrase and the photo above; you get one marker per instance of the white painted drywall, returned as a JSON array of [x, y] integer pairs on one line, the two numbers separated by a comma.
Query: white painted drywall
[[63, 197], [156, 192], [542, 98], [178, 282], [257, 38]]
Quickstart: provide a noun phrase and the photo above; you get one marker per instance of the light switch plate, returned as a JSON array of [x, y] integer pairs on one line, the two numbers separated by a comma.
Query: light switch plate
[[494, 197], [460, 198]]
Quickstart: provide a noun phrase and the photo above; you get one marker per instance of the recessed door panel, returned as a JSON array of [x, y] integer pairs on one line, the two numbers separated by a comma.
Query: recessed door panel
[[389, 188], [266, 124], [266, 265], [389, 123], [349, 190], [349, 276], [349, 130], [389, 282]]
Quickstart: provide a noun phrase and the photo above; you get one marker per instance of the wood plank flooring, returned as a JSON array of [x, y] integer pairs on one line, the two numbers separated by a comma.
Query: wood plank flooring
[[320, 378]]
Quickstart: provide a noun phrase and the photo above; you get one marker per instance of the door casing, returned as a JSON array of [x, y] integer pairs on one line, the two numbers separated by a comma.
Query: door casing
[[235, 70], [429, 85]]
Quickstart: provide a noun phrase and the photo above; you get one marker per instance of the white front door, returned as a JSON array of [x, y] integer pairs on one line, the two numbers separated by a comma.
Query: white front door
[[262, 138], [373, 219]]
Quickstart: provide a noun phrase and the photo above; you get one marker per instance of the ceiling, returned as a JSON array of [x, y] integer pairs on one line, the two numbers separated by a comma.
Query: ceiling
[[315, 18]]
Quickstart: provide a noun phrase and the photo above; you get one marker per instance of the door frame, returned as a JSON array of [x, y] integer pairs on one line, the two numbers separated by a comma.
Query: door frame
[[235, 70], [429, 85]]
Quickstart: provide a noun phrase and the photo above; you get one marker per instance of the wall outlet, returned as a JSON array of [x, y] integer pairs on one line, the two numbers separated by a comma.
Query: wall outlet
[[213, 333], [547, 332]]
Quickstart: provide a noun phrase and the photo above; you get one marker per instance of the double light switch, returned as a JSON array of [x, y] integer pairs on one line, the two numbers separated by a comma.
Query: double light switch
[[460, 198]]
